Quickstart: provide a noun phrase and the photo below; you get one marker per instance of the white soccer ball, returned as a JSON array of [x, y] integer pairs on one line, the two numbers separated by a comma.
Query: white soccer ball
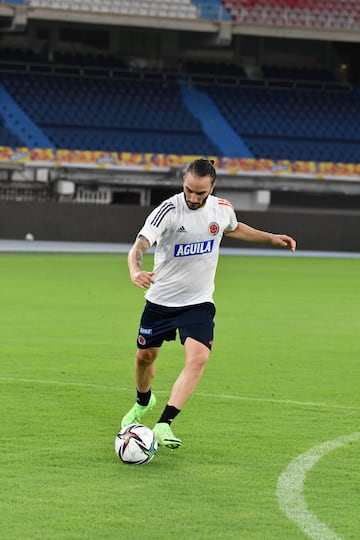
[[135, 444], [29, 236]]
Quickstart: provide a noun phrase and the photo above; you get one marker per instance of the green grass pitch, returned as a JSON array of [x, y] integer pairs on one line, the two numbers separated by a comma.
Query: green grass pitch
[[283, 377]]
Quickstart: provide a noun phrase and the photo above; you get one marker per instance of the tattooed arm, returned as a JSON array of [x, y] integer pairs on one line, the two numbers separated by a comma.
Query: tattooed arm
[[135, 258]]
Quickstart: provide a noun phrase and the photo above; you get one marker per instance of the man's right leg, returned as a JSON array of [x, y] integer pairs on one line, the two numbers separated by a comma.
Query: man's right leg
[[144, 374]]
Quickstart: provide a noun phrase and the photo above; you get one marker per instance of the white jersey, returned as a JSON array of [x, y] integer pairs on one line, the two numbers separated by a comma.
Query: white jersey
[[187, 249]]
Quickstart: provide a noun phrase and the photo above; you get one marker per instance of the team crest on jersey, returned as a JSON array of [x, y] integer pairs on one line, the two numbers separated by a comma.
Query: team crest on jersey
[[213, 228], [141, 340]]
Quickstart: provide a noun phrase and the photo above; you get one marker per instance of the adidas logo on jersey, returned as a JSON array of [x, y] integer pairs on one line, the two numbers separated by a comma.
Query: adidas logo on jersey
[[181, 229]]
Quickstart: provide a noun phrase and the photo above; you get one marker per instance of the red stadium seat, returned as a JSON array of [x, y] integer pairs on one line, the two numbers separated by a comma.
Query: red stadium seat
[[336, 14]]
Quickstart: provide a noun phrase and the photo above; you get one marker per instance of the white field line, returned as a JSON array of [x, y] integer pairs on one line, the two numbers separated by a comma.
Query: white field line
[[196, 394], [291, 482], [290, 488]]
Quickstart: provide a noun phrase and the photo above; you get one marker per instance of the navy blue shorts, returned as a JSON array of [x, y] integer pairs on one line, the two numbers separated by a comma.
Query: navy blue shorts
[[159, 324]]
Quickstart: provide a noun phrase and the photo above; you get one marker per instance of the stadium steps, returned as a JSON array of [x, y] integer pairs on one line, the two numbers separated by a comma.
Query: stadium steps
[[213, 123], [19, 123], [213, 10]]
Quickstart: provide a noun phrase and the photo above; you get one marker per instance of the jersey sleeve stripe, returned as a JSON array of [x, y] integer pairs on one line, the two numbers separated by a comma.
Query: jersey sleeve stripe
[[224, 202], [157, 219]]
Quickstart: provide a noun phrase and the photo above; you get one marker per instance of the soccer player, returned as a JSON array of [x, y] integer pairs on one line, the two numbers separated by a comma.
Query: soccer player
[[187, 230]]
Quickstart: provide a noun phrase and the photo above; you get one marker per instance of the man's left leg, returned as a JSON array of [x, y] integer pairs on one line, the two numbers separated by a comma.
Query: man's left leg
[[196, 357], [144, 373]]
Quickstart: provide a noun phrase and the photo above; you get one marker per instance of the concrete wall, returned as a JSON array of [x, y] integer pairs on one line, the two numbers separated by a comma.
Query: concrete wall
[[324, 231]]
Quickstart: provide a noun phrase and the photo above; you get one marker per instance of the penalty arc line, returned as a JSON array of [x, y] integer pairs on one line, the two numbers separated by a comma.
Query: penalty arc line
[[290, 488]]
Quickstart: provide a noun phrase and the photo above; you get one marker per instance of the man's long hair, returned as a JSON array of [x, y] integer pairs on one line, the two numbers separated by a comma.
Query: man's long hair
[[202, 167]]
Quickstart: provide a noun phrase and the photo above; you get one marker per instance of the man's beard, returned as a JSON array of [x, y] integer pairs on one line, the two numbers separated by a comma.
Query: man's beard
[[196, 206]]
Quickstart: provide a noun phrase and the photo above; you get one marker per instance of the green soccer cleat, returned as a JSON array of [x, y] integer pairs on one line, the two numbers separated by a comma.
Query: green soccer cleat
[[137, 413], [165, 436]]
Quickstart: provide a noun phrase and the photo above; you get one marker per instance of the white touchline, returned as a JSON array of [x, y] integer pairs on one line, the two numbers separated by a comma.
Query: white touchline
[[290, 488], [196, 394]]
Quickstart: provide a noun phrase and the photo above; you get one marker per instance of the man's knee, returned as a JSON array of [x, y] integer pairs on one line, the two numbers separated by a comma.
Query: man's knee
[[147, 356], [197, 354]]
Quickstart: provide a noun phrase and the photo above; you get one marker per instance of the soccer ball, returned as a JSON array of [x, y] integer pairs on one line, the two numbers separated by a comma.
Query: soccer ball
[[135, 444]]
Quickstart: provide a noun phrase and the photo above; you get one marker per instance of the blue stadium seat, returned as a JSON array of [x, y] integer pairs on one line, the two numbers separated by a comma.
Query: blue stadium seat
[[7, 138], [293, 124], [140, 116], [107, 114]]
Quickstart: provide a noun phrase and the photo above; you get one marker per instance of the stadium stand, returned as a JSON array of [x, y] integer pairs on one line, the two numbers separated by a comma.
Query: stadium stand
[[293, 124], [104, 114], [7, 137], [330, 14], [20, 123], [212, 9], [292, 113], [113, 115], [158, 8]]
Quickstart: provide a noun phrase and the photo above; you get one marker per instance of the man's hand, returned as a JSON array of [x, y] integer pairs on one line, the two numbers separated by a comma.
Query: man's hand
[[282, 240], [142, 279]]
